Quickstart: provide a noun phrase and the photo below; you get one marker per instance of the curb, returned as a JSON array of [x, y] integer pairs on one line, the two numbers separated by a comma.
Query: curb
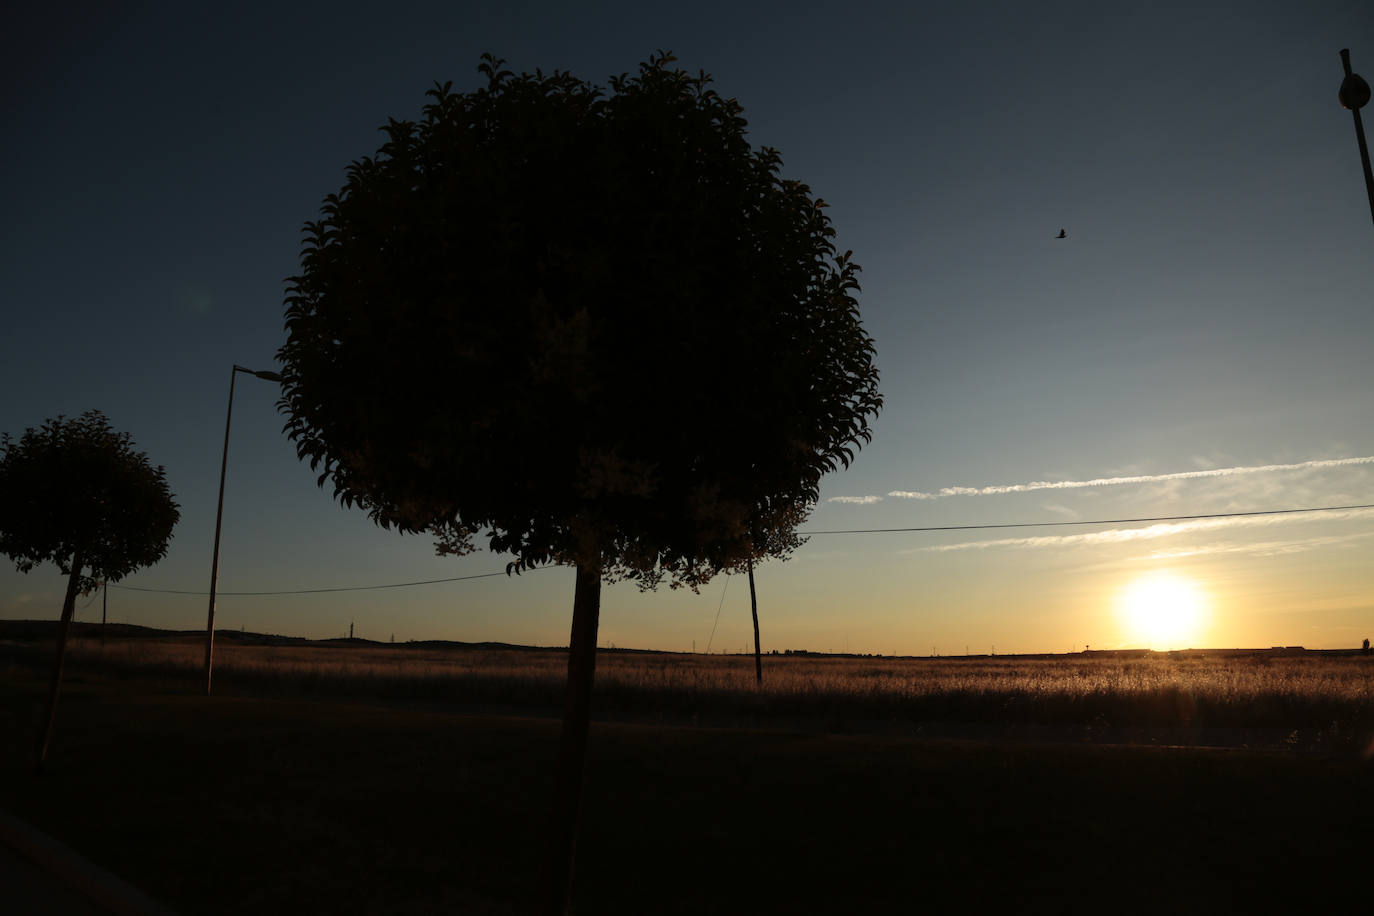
[[103, 888]]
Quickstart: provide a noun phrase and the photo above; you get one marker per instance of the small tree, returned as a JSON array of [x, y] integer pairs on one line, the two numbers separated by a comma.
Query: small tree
[[598, 326], [777, 542], [75, 493]]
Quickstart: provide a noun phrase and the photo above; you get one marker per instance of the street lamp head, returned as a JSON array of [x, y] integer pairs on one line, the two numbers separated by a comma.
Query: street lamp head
[[1354, 93], [269, 376]]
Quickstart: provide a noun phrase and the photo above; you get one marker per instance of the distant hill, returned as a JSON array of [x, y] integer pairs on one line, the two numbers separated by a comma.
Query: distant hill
[[35, 630], [26, 630], [47, 629]]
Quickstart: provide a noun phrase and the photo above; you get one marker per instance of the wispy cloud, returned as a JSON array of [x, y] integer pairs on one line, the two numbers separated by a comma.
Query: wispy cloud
[[1263, 548], [1149, 532], [1317, 464], [860, 500]]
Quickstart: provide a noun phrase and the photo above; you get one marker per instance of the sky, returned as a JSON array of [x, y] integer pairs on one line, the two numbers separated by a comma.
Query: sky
[[1198, 343]]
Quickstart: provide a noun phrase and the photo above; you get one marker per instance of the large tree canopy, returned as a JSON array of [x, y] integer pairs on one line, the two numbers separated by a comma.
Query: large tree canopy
[[76, 488], [594, 324]]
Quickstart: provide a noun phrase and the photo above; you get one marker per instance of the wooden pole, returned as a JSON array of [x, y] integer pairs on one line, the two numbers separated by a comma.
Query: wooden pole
[[68, 609], [758, 645]]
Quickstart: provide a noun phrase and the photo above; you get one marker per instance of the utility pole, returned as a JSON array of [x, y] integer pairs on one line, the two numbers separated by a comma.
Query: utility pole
[[758, 644], [219, 519], [1354, 95]]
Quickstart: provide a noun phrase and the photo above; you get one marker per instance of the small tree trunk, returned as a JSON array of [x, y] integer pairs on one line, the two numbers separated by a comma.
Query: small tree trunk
[[572, 746], [68, 609], [758, 646], [104, 608]]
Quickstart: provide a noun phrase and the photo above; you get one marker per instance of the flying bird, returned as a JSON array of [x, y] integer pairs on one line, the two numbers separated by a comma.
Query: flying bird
[[1062, 234]]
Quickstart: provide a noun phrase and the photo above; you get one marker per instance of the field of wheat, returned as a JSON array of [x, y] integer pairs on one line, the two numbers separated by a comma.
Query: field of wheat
[[1327, 693], [414, 778]]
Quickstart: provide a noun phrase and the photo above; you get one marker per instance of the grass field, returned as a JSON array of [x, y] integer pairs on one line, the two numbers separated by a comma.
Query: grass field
[[291, 792], [1253, 698]]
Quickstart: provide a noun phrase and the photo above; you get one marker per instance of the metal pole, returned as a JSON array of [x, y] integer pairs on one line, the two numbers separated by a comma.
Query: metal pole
[[1355, 102], [219, 517]]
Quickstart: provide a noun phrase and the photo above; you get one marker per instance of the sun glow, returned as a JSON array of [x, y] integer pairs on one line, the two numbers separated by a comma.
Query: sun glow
[[1163, 610]]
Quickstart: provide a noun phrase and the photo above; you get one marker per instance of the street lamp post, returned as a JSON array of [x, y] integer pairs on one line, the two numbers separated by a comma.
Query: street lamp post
[[1354, 95], [219, 517]]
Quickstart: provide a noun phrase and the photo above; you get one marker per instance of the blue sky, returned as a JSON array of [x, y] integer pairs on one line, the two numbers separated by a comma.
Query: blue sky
[[1209, 309]]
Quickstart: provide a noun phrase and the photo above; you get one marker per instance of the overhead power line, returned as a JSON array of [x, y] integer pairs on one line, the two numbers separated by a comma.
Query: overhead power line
[[1099, 521], [316, 591], [718, 607]]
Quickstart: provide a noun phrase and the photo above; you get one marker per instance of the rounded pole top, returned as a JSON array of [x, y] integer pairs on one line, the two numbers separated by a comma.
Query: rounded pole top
[[1354, 92]]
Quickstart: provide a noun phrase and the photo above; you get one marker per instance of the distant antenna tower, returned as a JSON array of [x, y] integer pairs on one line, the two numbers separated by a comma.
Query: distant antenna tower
[[350, 629]]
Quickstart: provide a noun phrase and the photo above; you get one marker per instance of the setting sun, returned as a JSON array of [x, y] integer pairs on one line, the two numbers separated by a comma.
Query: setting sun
[[1163, 610]]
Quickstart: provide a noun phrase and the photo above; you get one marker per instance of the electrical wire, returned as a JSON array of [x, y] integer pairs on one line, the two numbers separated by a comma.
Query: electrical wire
[[718, 607], [1100, 521], [315, 591]]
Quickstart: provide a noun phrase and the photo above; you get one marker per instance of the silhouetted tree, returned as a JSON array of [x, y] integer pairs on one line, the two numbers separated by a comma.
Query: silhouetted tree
[[75, 493], [777, 541], [1366, 647], [596, 325]]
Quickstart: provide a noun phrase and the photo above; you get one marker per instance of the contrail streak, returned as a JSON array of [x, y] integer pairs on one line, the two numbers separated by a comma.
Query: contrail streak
[[1148, 533], [1143, 478], [1263, 548]]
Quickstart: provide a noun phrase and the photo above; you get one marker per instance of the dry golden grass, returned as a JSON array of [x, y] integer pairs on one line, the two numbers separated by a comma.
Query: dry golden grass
[[282, 806], [405, 803], [1331, 692]]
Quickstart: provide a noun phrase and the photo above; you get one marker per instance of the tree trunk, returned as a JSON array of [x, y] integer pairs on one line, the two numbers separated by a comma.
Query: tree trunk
[[572, 746], [758, 646], [68, 609]]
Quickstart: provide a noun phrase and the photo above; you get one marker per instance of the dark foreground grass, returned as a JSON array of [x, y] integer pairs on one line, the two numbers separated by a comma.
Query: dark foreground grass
[[240, 804]]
